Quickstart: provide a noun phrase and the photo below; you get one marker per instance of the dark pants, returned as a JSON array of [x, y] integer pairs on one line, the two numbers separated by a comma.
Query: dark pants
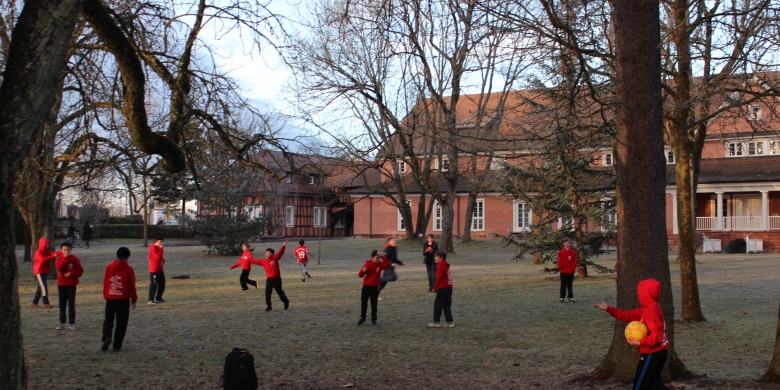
[[430, 266], [119, 308], [67, 297], [274, 284], [371, 292], [648, 371], [156, 285], [443, 301], [244, 279], [388, 275], [566, 281], [43, 289]]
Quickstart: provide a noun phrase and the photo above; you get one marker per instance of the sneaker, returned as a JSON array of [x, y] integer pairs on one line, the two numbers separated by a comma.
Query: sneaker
[[35, 306], [244, 289], [303, 280], [286, 305], [72, 327], [105, 345], [268, 308], [60, 327], [571, 300], [307, 275], [151, 302], [361, 321], [47, 306], [434, 325], [373, 322], [160, 300], [561, 300], [450, 325], [379, 299]]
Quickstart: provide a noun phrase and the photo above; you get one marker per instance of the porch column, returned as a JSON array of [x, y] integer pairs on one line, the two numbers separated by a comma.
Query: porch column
[[675, 227], [719, 212], [764, 210]]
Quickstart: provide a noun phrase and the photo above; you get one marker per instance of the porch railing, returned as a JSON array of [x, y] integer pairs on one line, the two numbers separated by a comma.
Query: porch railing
[[705, 223], [736, 223], [774, 222]]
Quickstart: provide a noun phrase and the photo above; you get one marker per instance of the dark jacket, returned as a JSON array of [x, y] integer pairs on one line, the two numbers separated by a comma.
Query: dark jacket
[[391, 253], [87, 233], [428, 256]]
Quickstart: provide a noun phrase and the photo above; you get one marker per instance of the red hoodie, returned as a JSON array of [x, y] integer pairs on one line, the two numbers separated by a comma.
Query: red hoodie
[[271, 265], [300, 254], [119, 281], [567, 261], [649, 292], [72, 265], [43, 256], [373, 276], [245, 261], [443, 275], [156, 259]]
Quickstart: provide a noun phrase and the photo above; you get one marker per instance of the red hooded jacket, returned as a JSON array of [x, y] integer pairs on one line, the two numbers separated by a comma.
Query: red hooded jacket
[[443, 276], [567, 261], [271, 265], [245, 261], [649, 292], [43, 256], [119, 281], [156, 259], [72, 265], [373, 275]]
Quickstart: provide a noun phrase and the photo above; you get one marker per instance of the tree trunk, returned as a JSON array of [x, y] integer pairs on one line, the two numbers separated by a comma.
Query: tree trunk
[[447, 222], [28, 243], [472, 202], [582, 269], [772, 373], [641, 179]]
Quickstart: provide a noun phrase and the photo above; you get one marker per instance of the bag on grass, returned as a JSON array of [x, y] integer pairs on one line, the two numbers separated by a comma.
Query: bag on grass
[[239, 371], [389, 275]]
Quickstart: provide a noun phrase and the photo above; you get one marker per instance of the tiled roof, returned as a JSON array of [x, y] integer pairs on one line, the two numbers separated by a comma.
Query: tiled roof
[[750, 169]]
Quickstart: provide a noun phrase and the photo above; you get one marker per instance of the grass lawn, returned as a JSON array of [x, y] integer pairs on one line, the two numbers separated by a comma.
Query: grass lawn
[[510, 332]]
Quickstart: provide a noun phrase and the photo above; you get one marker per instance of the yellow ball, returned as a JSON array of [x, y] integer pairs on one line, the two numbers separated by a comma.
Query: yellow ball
[[636, 329]]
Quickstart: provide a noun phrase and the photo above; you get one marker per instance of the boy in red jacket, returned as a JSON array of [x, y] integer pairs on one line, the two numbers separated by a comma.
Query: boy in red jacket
[[43, 256], [443, 288], [652, 348], [69, 268], [273, 276], [246, 266], [119, 292], [567, 264], [371, 272], [156, 274], [301, 254]]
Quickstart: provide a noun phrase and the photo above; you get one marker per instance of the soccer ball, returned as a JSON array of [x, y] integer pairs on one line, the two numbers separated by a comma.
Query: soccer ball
[[636, 329]]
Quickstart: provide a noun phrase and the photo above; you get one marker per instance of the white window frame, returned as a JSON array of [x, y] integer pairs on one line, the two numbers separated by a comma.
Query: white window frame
[[516, 206], [773, 147], [320, 216], [401, 166], [607, 159], [312, 179], [437, 217], [754, 112], [497, 163], [669, 156], [478, 217], [289, 216], [754, 148], [440, 165], [735, 149], [289, 179], [401, 227], [253, 211]]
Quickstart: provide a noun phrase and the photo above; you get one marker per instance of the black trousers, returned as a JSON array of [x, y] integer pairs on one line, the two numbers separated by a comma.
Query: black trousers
[[156, 285], [566, 282], [119, 308], [430, 266], [369, 292], [244, 279], [648, 371], [274, 284], [67, 298], [43, 289], [443, 302]]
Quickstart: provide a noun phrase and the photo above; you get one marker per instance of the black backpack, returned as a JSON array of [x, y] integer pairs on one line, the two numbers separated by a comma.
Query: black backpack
[[239, 371]]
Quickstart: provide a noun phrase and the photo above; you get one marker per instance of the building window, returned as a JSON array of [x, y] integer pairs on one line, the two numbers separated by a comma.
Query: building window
[[606, 159], [521, 217], [312, 178], [478, 218], [733, 149], [755, 148], [443, 165], [341, 221], [288, 179], [497, 163], [289, 216], [320, 217], [437, 216], [754, 112], [401, 226], [774, 147], [253, 211], [401, 167], [669, 156]]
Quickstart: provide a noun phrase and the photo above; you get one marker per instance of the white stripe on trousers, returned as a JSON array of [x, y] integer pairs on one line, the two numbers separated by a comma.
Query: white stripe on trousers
[[41, 285]]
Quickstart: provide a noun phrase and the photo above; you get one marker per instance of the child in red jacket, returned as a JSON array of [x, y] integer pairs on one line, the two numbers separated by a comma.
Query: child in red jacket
[[246, 266], [443, 288], [302, 255], [119, 292], [273, 276], [567, 264], [43, 256], [371, 273], [156, 273], [652, 348], [69, 268]]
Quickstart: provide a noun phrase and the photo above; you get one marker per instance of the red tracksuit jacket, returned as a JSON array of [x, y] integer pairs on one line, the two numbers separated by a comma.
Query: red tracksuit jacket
[[245, 261], [72, 265], [649, 292], [567, 261], [119, 281], [271, 265], [156, 259], [373, 276], [300, 254], [43, 257], [443, 275]]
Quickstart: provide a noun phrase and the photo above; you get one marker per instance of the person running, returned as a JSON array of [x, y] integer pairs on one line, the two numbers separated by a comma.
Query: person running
[[391, 253], [119, 292], [246, 266], [443, 301], [156, 274], [69, 271], [301, 254], [273, 276], [87, 234], [370, 272], [567, 264], [42, 261], [430, 247]]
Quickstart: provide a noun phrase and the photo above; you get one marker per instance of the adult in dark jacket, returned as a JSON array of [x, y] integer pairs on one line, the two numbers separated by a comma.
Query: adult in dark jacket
[[72, 232], [87, 233], [391, 253], [430, 248]]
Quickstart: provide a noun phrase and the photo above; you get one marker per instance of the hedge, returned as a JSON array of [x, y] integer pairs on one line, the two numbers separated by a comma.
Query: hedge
[[131, 231]]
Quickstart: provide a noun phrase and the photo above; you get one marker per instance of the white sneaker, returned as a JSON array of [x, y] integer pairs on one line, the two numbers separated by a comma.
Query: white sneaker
[[72, 327], [60, 327]]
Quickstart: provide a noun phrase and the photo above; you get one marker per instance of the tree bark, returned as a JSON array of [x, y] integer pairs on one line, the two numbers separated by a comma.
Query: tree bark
[[575, 199], [641, 179], [472, 202], [772, 373]]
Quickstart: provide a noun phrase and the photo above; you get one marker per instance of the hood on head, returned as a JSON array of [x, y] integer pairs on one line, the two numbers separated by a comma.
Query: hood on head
[[648, 291], [43, 244]]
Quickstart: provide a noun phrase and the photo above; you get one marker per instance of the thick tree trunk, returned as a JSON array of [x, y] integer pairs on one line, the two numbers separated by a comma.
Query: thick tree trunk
[[772, 373], [28, 243], [447, 223], [641, 179], [472, 202], [582, 269]]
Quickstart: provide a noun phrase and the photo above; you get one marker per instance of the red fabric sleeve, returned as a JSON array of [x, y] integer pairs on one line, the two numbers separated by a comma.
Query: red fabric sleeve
[[655, 330], [77, 270], [106, 281], [237, 263], [385, 263], [258, 261], [625, 315]]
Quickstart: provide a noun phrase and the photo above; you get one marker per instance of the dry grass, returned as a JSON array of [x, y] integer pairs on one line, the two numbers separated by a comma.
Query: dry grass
[[511, 332]]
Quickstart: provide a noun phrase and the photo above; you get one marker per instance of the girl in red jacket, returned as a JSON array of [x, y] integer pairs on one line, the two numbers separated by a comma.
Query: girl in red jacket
[[371, 273], [69, 268], [246, 266], [119, 292], [43, 256], [652, 348], [567, 264]]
